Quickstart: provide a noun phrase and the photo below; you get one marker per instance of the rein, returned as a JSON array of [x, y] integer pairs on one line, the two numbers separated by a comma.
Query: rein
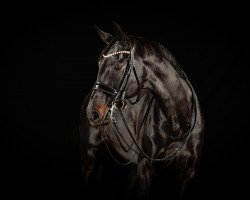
[[187, 134], [119, 97]]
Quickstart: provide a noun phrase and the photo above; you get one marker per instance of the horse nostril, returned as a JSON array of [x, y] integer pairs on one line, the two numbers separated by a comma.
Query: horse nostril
[[95, 115]]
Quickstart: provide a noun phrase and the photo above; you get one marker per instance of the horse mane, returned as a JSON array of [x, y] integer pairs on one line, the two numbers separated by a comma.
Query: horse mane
[[146, 48], [157, 50]]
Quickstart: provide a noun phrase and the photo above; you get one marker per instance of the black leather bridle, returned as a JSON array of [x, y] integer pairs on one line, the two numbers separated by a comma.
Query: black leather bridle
[[119, 95]]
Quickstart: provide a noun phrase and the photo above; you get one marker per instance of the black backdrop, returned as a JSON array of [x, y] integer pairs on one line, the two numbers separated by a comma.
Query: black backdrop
[[50, 63]]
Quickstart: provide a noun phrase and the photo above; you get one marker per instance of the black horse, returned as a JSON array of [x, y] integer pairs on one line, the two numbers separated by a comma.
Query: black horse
[[143, 111]]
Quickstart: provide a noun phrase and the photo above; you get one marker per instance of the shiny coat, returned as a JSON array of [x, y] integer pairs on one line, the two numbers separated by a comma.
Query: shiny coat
[[158, 121]]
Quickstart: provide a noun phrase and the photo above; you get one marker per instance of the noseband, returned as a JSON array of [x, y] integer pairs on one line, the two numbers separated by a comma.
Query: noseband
[[119, 94]]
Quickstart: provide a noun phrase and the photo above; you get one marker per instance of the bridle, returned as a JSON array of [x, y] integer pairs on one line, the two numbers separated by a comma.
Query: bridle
[[119, 96]]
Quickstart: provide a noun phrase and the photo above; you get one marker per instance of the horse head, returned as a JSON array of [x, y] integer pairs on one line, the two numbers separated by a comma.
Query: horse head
[[118, 80]]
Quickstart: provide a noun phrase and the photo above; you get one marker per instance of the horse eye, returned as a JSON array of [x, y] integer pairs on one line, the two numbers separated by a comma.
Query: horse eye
[[117, 67]]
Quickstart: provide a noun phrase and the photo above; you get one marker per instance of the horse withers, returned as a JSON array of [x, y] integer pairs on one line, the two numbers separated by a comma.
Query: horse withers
[[144, 113]]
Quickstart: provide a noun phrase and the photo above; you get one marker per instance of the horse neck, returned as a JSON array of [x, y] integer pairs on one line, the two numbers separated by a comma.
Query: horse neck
[[172, 93]]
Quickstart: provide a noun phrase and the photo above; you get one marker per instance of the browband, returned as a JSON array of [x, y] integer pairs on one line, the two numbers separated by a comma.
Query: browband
[[118, 52]]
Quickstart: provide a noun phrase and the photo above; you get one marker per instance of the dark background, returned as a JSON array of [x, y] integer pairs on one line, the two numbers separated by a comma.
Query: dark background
[[50, 63]]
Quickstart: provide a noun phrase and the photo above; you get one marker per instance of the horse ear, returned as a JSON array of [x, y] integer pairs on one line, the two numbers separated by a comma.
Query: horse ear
[[120, 35], [106, 37]]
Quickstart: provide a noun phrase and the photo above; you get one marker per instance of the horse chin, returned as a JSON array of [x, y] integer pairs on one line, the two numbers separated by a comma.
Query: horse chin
[[102, 123], [106, 122]]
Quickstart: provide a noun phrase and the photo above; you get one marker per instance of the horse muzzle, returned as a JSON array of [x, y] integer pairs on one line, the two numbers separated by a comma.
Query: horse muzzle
[[99, 115]]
